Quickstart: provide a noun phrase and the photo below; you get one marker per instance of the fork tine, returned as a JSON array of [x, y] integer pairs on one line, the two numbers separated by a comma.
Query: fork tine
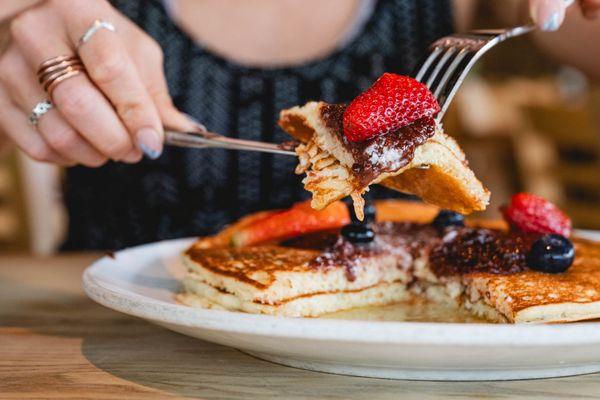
[[445, 79], [440, 64], [455, 81], [433, 54], [451, 58]]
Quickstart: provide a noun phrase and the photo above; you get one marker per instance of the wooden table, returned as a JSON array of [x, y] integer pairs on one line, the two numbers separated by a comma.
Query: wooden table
[[55, 343]]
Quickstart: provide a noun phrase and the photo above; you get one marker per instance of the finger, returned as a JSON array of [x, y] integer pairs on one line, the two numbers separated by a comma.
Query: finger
[[112, 69], [151, 72], [548, 14], [14, 123], [171, 117], [20, 82], [88, 111], [82, 105]]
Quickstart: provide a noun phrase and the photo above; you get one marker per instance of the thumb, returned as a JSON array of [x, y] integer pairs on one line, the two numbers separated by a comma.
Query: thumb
[[548, 15]]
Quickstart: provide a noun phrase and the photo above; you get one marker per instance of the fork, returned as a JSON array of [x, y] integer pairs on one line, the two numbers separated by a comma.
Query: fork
[[201, 139], [452, 57], [443, 70]]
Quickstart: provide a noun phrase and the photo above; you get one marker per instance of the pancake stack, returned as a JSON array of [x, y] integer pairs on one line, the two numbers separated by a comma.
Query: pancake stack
[[300, 279], [287, 281]]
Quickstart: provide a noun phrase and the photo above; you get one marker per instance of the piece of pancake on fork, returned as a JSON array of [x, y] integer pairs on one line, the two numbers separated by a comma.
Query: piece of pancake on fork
[[432, 167], [400, 146]]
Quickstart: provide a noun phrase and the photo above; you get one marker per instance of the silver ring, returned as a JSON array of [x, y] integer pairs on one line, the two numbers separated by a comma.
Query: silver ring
[[96, 26], [39, 110]]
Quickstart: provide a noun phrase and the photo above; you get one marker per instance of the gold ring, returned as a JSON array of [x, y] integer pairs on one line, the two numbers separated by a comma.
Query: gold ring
[[55, 60], [57, 74], [47, 72], [58, 69]]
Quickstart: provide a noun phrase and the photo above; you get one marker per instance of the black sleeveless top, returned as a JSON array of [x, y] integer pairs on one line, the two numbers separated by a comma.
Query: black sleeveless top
[[196, 192]]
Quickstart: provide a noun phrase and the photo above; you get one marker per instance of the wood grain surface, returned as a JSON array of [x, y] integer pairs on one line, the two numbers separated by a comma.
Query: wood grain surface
[[55, 343]]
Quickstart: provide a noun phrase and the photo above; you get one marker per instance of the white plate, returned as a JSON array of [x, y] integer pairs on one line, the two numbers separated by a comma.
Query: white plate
[[142, 281]]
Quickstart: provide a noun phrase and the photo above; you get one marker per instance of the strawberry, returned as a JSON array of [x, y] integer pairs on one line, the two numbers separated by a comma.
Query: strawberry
[[298, 220], [393, 102], [534, 214]]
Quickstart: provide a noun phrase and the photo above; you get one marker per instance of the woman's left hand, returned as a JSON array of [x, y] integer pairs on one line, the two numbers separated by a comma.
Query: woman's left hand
[[550, 14]]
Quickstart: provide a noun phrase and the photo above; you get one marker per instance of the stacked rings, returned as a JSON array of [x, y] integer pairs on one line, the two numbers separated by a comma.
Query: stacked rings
[[57, 69]]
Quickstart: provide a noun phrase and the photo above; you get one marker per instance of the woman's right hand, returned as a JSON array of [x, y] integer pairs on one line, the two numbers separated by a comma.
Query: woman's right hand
[[115, 110]]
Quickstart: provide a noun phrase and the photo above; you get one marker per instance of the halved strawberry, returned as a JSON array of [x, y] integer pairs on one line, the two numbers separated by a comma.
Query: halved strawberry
[[393, 102], [298, 220], [530, 213]]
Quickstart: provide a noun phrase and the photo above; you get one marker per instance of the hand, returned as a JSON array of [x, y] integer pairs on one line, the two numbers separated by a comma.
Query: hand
[[119, 107], [550, 14]]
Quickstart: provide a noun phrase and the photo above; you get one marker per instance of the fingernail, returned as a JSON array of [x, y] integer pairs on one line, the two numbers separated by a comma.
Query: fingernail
[[548, 14], [150, 143], [552, 23]]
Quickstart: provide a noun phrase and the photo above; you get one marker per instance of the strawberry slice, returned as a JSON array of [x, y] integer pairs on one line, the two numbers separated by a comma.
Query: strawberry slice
[[298, 220], [530, 213], [393, 102]]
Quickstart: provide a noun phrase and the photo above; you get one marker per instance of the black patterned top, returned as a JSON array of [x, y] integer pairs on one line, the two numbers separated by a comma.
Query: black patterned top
[[196, 192]]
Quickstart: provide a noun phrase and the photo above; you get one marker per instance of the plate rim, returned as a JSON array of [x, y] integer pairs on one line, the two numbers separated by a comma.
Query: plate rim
[[323, 329]]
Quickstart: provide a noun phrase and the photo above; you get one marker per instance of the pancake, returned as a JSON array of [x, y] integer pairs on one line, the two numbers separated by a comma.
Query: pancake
[[524, 297], [419, 159], [296, 282], [532, 296], [406, 260], [310, 305]]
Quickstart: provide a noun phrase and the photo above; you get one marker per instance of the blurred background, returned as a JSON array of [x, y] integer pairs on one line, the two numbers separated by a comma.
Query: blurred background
[[525, 122]]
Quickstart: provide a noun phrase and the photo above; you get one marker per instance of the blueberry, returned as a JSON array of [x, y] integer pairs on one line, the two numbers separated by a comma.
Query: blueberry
[[358, 233], [551, 253], [448, 218]]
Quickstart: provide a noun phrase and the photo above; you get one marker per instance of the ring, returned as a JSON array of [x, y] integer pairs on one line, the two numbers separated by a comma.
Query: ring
[[55, 60], [44, 73], [38, 110], [96, 26], [57, 69]]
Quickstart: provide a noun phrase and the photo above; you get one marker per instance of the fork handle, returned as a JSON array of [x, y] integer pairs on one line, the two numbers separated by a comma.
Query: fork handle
[[212, 140]]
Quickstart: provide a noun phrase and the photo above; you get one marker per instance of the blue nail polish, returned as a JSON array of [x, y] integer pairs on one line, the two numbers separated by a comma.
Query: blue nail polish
[[150, 153], [552, 23]]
